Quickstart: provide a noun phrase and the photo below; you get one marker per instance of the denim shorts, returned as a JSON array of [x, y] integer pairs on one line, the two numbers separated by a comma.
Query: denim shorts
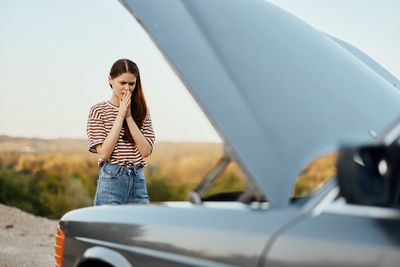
[[120, 185]]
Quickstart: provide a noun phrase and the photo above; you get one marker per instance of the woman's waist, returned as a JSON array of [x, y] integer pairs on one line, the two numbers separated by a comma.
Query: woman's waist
[[115, 168], [125, 163]]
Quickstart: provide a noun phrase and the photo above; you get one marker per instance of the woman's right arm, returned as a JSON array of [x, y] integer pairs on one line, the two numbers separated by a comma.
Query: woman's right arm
[[107, 147]]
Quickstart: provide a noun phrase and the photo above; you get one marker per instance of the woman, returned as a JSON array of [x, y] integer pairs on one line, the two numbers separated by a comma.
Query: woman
[[121, 132]]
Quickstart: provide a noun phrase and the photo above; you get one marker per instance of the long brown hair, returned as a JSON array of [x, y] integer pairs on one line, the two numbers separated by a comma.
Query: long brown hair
[[138, 102]]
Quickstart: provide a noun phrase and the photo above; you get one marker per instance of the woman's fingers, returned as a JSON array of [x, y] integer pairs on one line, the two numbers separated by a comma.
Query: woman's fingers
[[123, 98], [124, 103], [126, 96]]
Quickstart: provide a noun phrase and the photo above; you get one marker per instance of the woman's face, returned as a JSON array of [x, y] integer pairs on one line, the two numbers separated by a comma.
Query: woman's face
[[122, 83]]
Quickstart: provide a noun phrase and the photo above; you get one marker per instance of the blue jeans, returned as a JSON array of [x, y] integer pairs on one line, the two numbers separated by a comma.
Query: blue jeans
[[120, 185]]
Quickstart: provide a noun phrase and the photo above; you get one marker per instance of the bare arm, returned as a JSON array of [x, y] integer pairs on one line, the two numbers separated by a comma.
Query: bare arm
[[107, 147], [141, 142]]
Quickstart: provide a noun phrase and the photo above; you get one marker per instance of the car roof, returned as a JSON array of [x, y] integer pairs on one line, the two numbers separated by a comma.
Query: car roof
[[278, 91]]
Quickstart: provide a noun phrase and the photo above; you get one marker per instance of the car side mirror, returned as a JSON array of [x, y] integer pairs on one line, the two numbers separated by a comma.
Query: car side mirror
[[369, 175]]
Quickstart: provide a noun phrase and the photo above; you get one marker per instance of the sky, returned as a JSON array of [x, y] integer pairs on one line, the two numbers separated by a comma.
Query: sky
[[55, 57]]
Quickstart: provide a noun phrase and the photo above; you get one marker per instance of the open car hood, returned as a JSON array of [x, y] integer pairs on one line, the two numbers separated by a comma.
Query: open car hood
[[278, 91]]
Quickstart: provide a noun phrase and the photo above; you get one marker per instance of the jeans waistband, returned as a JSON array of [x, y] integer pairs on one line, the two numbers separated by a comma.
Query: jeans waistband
[[128, 168]]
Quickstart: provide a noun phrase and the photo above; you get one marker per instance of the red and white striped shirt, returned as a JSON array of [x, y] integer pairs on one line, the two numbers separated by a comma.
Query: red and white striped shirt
[[100, 121]]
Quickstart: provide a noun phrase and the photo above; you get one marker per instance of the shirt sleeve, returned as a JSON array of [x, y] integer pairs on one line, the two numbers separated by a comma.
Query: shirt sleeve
[[147, 130], [96, 131]]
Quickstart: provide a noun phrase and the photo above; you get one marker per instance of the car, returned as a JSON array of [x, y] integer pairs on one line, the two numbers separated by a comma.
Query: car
[[280, 93]]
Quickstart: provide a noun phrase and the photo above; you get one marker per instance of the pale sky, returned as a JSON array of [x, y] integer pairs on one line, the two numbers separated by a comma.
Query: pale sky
[[55, 57]]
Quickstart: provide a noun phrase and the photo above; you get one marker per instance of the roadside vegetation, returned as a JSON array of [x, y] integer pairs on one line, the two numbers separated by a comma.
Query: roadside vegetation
[[49, 178]]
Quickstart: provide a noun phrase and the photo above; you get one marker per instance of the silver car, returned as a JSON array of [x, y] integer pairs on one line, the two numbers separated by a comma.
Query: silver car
[[280, 93]]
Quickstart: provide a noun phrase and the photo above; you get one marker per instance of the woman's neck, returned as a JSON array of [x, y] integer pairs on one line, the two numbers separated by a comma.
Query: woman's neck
[[114, 101]]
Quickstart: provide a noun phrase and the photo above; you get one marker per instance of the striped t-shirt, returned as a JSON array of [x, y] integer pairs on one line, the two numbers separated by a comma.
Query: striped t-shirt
[[100, 122]]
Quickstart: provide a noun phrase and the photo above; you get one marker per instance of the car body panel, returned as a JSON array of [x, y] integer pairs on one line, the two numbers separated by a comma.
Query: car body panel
[[183, 234], [275, 90], [385, 74], [345, 235]]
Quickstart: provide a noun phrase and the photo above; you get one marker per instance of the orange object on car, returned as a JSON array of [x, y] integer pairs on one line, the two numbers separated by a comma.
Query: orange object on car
[[59, 247]]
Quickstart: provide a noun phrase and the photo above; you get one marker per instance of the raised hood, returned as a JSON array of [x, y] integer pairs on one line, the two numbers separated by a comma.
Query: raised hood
[[278, 91]]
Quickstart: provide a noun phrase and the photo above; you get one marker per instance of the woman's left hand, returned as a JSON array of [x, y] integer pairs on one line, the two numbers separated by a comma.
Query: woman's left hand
[[129, 113]]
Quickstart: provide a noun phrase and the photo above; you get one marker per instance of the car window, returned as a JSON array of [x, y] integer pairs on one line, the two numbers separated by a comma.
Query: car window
[[317, 173]]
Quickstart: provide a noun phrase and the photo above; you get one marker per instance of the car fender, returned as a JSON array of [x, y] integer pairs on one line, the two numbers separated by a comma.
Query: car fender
[[106, 255]]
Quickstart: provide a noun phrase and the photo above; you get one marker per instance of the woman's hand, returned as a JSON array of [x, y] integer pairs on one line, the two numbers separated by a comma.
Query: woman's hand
[[125, 106], [129, 112]]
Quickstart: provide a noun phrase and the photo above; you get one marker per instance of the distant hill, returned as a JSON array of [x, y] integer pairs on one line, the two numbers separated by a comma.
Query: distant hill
[[20, 144]]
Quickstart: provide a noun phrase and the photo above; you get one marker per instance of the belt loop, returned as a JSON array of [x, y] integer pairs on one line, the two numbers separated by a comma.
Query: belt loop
[[119, 169]]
